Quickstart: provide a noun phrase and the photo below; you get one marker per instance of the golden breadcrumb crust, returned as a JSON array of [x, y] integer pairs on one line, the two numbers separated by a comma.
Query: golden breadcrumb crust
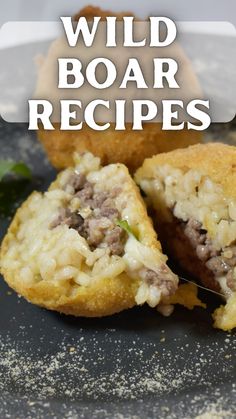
[[102, 297], [215, 160], [128, 147]]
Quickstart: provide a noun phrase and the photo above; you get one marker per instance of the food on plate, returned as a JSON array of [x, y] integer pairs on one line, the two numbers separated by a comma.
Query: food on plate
[[86, 246], [129, 146], [193, 199]]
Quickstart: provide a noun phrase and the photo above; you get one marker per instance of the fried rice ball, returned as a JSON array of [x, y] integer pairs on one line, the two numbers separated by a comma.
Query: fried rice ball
[[192, 194], [86, 246], [128, 147]]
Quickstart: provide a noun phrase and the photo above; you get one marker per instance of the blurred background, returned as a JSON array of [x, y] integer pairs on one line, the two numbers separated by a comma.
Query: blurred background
[[179, 10]]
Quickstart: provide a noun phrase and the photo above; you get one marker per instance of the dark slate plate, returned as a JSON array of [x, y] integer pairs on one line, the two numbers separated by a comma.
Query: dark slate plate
[[136, 364]]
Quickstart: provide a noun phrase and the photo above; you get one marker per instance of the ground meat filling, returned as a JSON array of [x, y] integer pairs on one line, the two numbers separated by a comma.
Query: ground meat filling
[[164, 280], [100, 227], [221, 263], [67, 217]]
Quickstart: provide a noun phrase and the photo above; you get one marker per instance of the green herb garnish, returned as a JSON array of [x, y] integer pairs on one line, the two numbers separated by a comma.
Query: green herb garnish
[[18, 168], [125, 225]]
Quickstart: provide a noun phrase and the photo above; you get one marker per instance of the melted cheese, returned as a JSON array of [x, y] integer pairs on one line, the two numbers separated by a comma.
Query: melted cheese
[[225, 315], [186, 295]]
